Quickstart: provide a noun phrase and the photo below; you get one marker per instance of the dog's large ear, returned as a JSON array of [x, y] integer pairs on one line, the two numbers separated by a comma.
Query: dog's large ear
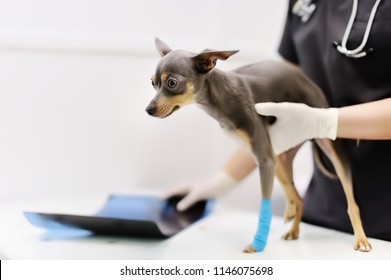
[[162, 47], [206, 60]]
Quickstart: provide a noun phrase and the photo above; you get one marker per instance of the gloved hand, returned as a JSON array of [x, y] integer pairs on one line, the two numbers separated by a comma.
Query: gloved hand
[[220, 184], [298, 122]]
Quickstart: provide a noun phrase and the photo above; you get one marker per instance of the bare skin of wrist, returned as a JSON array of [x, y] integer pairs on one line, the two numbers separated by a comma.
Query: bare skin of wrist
[[365, 121], [240, 164]]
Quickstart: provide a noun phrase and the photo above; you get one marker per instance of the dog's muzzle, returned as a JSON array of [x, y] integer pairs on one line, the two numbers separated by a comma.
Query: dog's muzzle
[[150, 110], [160, 111]]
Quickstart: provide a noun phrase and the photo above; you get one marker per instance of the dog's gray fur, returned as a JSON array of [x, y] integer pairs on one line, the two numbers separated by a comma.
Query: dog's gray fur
[[184, 77]]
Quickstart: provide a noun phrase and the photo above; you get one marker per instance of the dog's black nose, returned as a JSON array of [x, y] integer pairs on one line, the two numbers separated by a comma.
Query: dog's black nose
[[150, 110]]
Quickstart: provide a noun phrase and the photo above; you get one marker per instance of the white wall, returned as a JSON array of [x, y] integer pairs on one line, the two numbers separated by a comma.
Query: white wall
[[75, 79]]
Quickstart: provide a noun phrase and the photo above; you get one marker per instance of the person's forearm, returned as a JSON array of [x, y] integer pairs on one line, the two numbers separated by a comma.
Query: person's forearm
[[365, 121], [240, 164]]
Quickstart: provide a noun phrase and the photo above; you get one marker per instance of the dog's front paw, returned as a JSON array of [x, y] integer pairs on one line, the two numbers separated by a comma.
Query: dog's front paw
[[249, 249], [363, 245]]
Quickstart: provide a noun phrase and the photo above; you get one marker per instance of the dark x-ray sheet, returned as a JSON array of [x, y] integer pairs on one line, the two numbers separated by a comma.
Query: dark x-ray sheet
[[132, 216]]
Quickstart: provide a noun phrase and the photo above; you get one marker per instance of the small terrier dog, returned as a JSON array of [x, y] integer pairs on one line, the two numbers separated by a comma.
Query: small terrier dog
[[184, 77]]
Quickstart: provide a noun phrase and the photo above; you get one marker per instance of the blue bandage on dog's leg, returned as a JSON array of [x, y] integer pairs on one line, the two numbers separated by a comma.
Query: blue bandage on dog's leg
[[265, 218]]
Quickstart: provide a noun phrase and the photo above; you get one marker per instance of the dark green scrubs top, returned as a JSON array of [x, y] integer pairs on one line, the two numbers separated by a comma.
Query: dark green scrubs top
[[346, 81]]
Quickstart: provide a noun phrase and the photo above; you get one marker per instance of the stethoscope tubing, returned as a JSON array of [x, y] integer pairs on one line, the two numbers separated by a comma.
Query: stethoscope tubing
[[304, 9], [357, 52]]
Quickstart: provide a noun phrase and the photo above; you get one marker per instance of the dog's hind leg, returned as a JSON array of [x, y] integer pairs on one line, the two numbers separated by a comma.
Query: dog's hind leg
[[293, 204], [344, 174]]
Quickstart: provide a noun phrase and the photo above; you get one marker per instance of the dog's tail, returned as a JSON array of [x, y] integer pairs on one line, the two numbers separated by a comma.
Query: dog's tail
[[323, 163]]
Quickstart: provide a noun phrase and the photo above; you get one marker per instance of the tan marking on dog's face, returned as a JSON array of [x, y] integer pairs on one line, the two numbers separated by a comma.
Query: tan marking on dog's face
[[167, 105], [164, 76]]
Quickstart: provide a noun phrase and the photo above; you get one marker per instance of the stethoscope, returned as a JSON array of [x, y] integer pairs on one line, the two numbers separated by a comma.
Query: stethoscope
[[305, 8]]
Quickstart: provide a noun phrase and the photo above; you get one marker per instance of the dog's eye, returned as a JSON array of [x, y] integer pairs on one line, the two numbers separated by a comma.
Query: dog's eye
[[172, 83], [153, 83]]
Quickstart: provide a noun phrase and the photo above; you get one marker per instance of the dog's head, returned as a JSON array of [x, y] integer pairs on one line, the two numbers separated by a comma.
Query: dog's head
[[179, 76]]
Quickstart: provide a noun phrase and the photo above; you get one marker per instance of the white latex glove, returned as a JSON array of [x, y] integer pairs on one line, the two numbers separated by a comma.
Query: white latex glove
[[297, 122], [218, 185]]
